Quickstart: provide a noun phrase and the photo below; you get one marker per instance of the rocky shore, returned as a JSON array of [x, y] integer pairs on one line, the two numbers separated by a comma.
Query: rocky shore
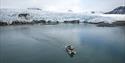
[[103, 24], [117, 23], [38, 22], [44, 22]]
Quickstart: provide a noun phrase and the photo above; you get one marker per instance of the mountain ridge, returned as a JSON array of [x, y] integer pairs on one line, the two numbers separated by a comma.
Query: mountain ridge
[[118, 10]]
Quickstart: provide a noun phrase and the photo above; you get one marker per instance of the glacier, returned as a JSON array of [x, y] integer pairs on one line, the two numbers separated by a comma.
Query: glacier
[[10, 15]]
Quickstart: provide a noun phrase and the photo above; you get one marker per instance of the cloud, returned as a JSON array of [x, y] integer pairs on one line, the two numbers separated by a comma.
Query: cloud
[[58, 5], [54, 5], [63, 5]]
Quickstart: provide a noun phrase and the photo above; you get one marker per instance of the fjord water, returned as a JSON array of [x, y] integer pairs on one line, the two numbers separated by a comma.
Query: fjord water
[[46, 44]]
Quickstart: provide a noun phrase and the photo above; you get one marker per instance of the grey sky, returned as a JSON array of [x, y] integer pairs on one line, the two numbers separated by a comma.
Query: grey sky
[[62, 5]]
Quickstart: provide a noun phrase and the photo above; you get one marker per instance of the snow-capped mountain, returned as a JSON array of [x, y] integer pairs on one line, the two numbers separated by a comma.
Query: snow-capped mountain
[[118, 10]]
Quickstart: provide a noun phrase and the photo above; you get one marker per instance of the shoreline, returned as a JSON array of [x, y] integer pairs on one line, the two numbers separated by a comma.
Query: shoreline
[[44, 22]]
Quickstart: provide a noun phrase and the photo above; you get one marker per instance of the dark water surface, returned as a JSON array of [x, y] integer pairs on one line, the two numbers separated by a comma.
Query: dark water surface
[[46, 44]]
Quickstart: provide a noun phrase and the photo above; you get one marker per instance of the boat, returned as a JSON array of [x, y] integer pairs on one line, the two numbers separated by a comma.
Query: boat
[[70, 50]]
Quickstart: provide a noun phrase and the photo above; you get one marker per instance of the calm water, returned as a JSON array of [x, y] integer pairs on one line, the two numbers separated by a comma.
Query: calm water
[[46, 44]]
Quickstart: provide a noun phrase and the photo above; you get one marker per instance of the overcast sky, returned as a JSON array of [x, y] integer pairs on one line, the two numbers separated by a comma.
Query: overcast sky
[[63, 5]]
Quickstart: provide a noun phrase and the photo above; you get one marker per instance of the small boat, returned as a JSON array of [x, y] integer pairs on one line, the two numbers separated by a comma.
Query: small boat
[[70, 50]]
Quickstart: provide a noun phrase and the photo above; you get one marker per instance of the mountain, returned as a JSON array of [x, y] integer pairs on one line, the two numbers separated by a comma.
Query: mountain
[[118, 10]]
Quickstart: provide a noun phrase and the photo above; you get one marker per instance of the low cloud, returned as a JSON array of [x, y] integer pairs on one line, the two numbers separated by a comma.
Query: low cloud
[[63, 5]]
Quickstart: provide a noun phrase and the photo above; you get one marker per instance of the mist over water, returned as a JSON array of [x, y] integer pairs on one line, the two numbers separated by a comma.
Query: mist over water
[[46, 44]]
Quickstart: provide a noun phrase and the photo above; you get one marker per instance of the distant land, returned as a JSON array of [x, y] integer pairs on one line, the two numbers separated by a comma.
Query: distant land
[[34, 8], [118, 10]]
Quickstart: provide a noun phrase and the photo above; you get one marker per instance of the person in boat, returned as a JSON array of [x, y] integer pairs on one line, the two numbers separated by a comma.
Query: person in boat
[[70, 47]]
